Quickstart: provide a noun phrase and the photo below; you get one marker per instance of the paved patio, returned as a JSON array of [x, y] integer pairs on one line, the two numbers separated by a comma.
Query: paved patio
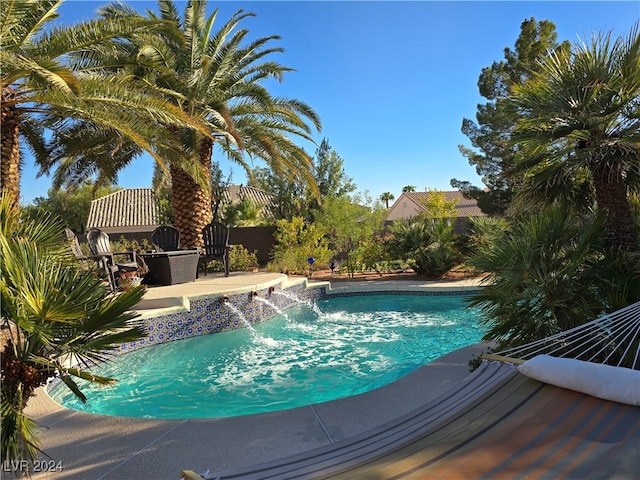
[[103, 447]]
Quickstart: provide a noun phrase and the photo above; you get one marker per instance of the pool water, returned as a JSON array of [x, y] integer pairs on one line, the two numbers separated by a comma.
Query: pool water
[[343, 347]]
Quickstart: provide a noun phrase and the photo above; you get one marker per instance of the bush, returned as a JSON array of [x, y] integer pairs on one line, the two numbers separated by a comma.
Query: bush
[[483, 232], [295, 243], [124, 245], [550, 273], [430, 246], [55, 316], [240, 260]]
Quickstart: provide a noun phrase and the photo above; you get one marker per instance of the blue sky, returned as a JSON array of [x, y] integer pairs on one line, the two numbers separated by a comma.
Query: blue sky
[[391, 81]]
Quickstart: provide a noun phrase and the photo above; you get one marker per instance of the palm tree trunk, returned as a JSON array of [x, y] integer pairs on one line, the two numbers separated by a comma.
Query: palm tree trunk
[[10, 153], [191, 202], [611, 196]]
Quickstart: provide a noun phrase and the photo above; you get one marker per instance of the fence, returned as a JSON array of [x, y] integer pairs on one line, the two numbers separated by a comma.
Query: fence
[[258, 240]]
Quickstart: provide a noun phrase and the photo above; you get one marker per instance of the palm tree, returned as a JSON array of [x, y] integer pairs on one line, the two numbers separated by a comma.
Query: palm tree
[[386, 197], [43, 90], [244, 213], [580, 113], [408, 188], [546, 274], [56, 318], [215, 78]]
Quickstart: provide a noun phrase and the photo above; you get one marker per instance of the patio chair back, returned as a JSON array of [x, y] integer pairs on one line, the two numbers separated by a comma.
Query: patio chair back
[[101, 248], [74, 244], [166, 238], [216, 245], [98, 242]]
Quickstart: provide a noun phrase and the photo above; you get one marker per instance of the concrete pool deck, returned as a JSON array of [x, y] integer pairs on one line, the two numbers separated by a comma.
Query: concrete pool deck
[[102, 447]]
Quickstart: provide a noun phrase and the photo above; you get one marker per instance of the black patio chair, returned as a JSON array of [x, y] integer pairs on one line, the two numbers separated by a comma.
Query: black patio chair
[[216, 246], [74, 243], [166, 238], [101, 247]]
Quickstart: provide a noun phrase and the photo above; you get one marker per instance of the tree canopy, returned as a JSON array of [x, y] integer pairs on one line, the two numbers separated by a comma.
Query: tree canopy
[[293, 195], [579, 118], [49, 89], [492, 153]]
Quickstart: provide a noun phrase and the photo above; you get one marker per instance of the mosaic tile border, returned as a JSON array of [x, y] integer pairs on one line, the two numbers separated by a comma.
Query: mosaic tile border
[[220, 313]]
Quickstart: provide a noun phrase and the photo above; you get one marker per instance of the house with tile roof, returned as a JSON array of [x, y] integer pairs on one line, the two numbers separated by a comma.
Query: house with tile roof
[[131, 210], [235, 193], [133, 213], [260, 198], [410, 204], [135, 210]]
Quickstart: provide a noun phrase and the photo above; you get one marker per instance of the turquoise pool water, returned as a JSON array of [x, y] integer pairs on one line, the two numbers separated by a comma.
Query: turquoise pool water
[[343, 347]]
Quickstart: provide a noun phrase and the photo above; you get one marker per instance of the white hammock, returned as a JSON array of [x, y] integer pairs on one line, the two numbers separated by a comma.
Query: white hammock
[[613, 339]]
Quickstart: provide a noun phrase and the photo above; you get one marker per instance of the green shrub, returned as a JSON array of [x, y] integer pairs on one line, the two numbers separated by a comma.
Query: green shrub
[[429, 246], [296, 241], [240, 260], [549, 273], [484, 231], [124, 245], [51, 311]]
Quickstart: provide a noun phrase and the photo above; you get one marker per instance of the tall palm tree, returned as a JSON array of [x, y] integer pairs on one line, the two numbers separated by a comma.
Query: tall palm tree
[[56, 317], [581, 113], [386, 197], [44, 90], [409, 188], [216, 77]]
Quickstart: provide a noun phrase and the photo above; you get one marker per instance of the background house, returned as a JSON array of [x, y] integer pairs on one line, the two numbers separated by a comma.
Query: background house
[[260, 198], [410, 204], [133, 213], [235, 193]]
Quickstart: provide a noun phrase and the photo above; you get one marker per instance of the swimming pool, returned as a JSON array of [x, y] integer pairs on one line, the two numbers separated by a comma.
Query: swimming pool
[[341, 347]]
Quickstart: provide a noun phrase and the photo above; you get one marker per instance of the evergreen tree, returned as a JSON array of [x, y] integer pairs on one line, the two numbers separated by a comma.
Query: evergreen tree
[[294, 197], [329, 173], [493, 154], [72, 206]]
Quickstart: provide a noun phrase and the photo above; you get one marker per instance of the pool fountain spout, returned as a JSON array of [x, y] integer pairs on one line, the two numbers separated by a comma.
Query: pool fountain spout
[[240, 316], [272, 289], [224, 300], [253, 294], [299, 301], [273, 306]]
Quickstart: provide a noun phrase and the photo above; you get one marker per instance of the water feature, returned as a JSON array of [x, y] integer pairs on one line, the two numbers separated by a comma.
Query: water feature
[[238, 313], [357, 344], [298, 301], [246, 323], [273, 306]]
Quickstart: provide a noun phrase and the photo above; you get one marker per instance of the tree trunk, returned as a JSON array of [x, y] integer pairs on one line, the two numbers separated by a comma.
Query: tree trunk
[[611, 196], [191, 202], [10, 153]]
